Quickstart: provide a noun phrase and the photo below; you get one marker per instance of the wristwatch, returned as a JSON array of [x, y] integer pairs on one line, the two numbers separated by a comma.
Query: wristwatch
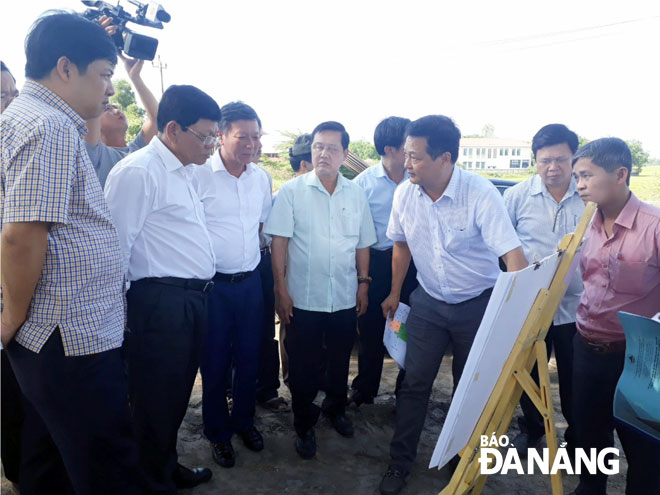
[[364, 280]]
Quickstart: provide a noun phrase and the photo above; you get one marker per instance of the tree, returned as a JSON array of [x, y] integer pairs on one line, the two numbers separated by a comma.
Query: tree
[[488, 130], [639, 156], [124, 98], [364, 150]]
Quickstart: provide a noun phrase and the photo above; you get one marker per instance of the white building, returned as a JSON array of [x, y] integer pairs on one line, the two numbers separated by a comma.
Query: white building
[[494, 153]]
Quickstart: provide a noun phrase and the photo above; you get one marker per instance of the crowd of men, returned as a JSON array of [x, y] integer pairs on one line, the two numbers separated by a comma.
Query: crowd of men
[[128, 267]]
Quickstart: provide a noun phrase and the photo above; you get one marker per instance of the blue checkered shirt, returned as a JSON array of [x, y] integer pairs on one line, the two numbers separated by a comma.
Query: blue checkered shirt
[[47, 176]]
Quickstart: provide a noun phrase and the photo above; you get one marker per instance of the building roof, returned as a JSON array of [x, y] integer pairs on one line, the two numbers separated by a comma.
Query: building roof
[[479, 141]]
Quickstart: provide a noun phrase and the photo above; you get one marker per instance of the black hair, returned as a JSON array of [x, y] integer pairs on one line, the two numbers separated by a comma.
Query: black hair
[[390, 132], [186, 105], [608, 153], [331, 125], [234, 111], [553, 134], [61, 34], [441, 135], [296, 159]]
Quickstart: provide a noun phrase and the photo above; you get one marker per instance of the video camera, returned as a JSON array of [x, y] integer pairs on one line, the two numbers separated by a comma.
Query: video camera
[[132, 44]]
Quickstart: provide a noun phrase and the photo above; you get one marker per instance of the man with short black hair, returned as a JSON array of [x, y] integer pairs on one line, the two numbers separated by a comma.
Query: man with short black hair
[[62, 273], [543, 209], [8, 89], [621, 272], [300, 155], [154, 198], [379, 182], [453, 223], [322, 230], [237, 200]]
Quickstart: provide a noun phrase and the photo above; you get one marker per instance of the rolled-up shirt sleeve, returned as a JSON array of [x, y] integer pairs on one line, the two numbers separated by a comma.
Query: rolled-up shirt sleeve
[[493, 220], [367, 229], [281, 221], [39, 178], [394, 228]]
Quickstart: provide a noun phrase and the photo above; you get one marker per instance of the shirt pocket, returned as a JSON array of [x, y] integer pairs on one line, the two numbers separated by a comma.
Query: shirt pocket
[[629, 277], [457, 233], [350, 223]]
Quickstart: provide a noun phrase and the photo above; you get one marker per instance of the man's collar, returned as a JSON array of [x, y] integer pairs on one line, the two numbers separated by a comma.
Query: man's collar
[[41, 92], [170, 161], [311, 179], [452, 187], [627, 216], [218, 165], [538, 187], [379, 171]]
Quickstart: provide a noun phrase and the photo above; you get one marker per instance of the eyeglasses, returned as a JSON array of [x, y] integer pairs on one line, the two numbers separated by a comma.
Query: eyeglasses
[[333, 150], [562, 160], [206, 140]]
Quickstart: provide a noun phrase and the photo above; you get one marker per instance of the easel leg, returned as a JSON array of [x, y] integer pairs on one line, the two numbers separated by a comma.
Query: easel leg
[[549, 416]]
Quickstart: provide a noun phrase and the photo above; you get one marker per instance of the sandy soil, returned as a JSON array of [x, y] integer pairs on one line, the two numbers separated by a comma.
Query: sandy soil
[[346, 466]]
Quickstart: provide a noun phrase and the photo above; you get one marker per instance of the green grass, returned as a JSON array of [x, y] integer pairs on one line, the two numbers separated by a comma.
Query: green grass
[[645, 186]]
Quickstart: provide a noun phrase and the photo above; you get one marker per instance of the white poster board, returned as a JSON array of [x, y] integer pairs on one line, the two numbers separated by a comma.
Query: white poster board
[[512, 299]]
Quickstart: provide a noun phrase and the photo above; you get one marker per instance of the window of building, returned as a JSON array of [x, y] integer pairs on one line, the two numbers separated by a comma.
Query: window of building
[[464, 151], [471, 151]]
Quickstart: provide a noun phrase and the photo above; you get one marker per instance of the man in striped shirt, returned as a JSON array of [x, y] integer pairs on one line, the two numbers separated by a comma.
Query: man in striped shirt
[[62, 273]]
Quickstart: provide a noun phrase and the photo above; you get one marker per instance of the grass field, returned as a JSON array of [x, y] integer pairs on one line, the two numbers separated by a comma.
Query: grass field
[[645, 186]]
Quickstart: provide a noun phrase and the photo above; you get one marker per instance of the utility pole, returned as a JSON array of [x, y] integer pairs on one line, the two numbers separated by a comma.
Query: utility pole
[[160, 66]]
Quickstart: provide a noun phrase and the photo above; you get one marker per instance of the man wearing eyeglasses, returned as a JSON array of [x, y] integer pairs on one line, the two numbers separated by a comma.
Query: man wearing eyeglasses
[[322, 229], [156, 207], [543, 209], [237, 200]]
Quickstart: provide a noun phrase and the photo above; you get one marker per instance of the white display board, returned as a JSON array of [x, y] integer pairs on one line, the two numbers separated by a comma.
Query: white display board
[[512, 299]]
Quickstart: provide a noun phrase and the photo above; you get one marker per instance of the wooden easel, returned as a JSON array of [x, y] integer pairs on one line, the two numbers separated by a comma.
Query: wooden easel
[[529, 350]]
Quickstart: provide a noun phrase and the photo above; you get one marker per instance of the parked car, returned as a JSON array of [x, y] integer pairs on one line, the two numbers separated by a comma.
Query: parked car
[[503, 185]]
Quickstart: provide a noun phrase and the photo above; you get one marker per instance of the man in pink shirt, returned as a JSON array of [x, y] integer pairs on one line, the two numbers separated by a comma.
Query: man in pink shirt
[[621, 272]]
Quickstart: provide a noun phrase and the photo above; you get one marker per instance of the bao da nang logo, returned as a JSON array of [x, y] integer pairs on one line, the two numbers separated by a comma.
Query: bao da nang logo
[[492, 461]]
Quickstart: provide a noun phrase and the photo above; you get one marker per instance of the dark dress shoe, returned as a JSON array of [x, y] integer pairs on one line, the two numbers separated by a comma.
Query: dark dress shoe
[[358, 398], [343, 425], [190, 478], [306, 444], [223, 453], [523, 442], [393, 481], [252, 439]]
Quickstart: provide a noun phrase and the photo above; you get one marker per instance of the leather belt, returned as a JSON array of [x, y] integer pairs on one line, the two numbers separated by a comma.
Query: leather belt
[[604, 348], [232, 278], [185, 283]]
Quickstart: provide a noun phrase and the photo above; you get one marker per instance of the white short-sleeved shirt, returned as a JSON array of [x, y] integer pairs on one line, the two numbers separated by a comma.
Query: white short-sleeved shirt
[[324, 231], [541, 222], [159, 215], [234, 208], [456, 240]]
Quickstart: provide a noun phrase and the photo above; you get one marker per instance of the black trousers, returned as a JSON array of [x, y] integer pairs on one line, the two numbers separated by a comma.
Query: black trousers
[[559, 337], [166, 325], [371, 325], [305, 336], [431, 326], [268, 381], [80, 438], [595, 376], [12, 421]]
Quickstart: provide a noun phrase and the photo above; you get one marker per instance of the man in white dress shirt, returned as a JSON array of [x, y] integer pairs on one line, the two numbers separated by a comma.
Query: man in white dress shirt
[[237, 200], [168, 254], [454, 225], [543, 209]]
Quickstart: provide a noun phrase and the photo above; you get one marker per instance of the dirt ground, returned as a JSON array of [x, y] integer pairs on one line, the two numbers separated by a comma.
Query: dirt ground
[[347, 466]]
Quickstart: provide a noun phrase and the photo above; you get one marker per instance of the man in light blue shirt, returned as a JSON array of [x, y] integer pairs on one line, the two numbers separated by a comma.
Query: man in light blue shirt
[[455, 226], [379, 183], [543, 210], [322, 229]]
